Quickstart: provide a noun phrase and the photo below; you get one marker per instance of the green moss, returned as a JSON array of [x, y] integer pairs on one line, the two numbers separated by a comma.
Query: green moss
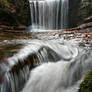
[[86, 85], [7, 4]]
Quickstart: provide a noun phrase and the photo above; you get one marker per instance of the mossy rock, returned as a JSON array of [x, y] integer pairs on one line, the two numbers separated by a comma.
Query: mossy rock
[[86, 85], [6, 3]]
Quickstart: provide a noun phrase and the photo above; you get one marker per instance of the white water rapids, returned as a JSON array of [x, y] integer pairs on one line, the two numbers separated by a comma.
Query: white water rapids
[[62, 65], [63, 75]]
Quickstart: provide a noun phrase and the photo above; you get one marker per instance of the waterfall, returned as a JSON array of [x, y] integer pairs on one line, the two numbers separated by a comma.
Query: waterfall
[[49, 14], [46, 65]]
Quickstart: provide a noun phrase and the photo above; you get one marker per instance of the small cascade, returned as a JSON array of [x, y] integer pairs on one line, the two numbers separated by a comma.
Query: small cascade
[[15, 70], [64, 75], [59, 67], [49, 14]]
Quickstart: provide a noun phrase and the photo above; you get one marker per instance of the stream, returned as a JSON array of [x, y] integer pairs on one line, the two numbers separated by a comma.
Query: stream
[[45, 61]]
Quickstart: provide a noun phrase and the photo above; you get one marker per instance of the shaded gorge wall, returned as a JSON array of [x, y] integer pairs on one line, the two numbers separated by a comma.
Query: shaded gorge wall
[[14, 12], [78, 11]]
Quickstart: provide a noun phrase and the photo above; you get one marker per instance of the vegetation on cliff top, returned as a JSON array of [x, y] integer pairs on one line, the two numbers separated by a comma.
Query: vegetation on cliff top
[[14, 12]]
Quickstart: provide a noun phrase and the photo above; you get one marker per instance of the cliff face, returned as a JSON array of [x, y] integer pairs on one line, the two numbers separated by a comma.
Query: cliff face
[[14, 12], [78, 11], [85, 10]]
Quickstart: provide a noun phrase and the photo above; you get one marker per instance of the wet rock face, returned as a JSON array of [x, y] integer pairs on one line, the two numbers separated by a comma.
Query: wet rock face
[[78, 11], [73, 12]]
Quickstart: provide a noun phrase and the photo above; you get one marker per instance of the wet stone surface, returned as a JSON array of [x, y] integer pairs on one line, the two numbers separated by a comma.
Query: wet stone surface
[[7, 50]]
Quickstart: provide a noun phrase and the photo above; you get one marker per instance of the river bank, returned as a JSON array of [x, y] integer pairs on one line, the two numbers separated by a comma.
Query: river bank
[[82, 34]]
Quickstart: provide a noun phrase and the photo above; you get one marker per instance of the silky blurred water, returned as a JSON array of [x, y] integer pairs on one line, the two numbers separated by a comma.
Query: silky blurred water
[[49, 14], [60, 65], [61, 76]]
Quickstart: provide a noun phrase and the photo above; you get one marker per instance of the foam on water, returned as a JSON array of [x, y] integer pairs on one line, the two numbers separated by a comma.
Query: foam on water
[[62, 64], [64, 75]]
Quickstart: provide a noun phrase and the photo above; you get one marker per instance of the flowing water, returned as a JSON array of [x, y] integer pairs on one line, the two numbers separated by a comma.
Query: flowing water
[[65, 74], [60, 68], [46, 65], [49, 14]]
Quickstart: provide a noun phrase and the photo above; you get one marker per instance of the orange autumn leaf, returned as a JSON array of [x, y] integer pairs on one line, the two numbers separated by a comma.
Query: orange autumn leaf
[[3, 59], [36, 60], [29, 62]]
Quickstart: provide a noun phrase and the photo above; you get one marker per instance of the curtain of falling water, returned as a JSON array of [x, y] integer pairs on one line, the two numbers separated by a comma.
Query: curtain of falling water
[[49, 14]]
